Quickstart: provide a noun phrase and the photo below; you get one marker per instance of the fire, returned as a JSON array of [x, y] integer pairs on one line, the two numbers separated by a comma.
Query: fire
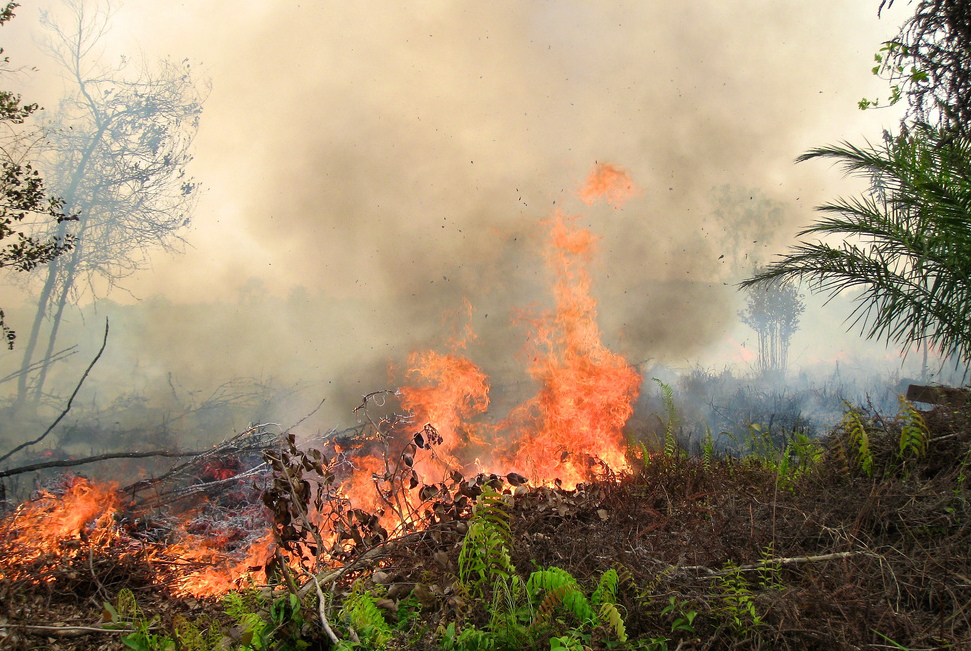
[[586, 392], [572, 426], [51, 528], [217, 572], [57, 531], [450, 390], [610, 183]]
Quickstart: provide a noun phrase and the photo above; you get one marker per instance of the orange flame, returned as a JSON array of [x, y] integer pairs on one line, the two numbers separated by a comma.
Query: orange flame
[[51, 527], [584, 398], [52, 531], [609, 183], [586, 392]]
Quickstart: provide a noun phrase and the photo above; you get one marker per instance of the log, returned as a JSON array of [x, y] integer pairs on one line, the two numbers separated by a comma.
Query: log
[[938, 395]]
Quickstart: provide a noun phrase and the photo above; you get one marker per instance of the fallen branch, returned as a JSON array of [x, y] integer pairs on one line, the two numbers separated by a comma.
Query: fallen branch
[[321, 610], [796, 560], [69, 402], [253, 439], [66, 631], [374, 554], [68, 463]]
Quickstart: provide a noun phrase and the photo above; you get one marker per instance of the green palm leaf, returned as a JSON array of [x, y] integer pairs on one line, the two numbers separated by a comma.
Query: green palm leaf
[[905, 246]]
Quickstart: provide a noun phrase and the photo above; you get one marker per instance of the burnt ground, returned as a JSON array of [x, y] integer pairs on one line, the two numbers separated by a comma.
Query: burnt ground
[[835, 557]]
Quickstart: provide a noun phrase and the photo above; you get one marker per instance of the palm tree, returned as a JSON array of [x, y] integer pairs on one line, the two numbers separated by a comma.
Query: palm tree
[[905, 245]]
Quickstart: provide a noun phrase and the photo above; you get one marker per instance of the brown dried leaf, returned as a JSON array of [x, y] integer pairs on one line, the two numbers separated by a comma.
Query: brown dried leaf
[[515, 479]]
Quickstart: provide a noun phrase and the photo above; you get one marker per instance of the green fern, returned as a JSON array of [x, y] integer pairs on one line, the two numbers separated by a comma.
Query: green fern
[[770, 572], [707, 449], [914, 436], [190, 635], [606, 591], [126, 606], [671, 424], [125, 612], [361, 614], [559, 589], [484, 555], [245, 607], [737, 608], [859, 439], [807, 451], [611, 616], [485, 567]]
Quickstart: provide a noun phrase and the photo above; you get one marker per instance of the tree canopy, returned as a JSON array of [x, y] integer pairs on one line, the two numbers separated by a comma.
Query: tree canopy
[[929, 65], [24, 200]]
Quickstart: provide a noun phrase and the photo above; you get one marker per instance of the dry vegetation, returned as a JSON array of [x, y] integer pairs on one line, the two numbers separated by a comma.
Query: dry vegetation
[[861, 543]]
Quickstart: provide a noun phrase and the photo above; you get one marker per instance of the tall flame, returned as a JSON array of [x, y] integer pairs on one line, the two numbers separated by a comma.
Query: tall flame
[[586, 392]]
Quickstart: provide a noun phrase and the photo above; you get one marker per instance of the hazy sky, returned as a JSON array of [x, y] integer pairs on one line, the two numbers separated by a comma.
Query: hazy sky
[[400, 156]]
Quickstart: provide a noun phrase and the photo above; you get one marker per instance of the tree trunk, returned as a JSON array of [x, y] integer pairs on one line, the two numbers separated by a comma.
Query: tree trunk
[[70, 273], [42, 302], [70, 198]]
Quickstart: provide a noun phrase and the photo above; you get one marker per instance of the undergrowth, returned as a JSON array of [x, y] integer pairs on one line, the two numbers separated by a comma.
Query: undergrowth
[[752, 552]]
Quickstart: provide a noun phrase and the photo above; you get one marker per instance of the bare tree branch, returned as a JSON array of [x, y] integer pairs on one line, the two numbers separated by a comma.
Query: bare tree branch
[[69, 402], [69, 463]]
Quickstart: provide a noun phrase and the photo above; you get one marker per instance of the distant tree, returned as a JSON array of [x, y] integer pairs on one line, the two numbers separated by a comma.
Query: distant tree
[[118, 149], [773, 310], [23, 197], [929, 65], [743, 223]]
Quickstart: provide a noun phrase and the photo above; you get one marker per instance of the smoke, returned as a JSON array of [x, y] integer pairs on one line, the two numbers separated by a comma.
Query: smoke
[[367, 166]]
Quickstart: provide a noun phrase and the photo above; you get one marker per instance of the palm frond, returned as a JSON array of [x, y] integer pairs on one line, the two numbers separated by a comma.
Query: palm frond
[[905, 245]]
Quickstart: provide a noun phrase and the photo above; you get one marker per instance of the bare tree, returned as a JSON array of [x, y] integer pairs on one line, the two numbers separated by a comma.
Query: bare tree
[[118, 149], [773, 311]]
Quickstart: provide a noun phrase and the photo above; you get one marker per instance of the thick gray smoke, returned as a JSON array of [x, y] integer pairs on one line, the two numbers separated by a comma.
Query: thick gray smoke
[[369, 165]]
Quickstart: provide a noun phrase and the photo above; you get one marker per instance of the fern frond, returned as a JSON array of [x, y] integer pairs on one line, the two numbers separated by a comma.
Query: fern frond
[[610, 615], [126, 605], [914, 436], [361, 614], [671, 424], [606, 591], [859, 438], [188, 634], [484, 554], [559, 587], [548, 579], [707, 449], [570, 598]]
